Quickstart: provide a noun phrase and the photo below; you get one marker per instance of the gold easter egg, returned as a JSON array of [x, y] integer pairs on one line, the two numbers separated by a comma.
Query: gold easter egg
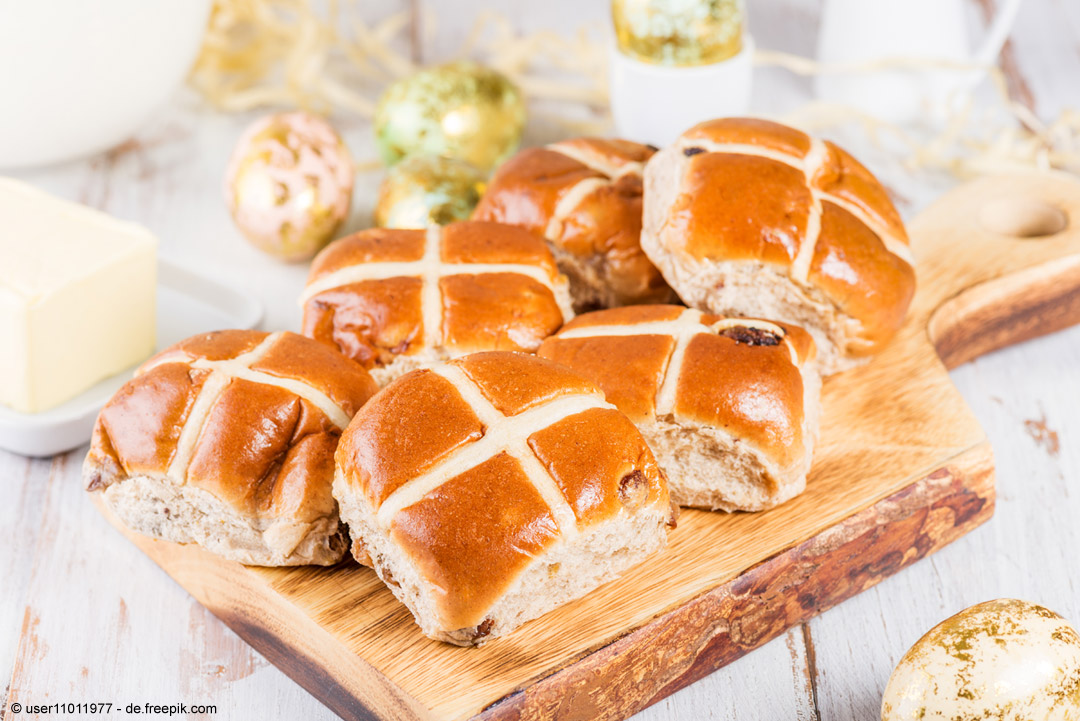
[[460, 110], [426, 190], [1008, 659], [678, 32], [289, 184]]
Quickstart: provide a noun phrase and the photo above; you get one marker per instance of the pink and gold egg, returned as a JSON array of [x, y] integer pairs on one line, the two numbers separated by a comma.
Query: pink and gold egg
[[289, 184]]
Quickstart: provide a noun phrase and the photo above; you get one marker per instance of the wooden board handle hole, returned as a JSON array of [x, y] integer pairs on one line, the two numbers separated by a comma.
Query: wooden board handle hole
[[1024, 218]]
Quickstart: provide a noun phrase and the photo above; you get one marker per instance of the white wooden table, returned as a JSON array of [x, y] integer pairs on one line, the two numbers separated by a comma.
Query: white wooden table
[[86, 617]]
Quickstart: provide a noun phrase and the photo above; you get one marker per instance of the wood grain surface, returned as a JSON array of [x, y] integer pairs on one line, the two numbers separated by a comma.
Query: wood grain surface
[[85, 615], [899, 452]]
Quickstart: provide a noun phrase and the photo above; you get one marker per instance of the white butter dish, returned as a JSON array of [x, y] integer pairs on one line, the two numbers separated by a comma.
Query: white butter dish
[[187, 303]]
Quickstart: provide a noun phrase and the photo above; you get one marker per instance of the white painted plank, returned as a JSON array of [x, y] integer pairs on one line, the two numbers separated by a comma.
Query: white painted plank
[[770, 683], [453, 22], [24, 481], [788, 26], [103, 623]]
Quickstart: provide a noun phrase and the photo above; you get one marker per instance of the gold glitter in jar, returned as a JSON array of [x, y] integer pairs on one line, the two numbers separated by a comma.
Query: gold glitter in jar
[[460, 110], [289, 184], [678, 32], [426, 190]]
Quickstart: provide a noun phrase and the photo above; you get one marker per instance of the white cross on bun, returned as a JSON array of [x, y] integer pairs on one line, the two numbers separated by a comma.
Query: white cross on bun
[[747, 217], [729, 405], [395, 300], [494, 488], [227, 440]]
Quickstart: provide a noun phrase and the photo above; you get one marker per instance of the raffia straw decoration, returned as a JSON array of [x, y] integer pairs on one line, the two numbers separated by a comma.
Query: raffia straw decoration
[[519, 56], [260, 53], [967, 144], [264, 53]]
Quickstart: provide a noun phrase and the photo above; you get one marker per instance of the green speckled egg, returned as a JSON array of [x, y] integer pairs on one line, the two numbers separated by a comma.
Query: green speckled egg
[[426, 190], [1006, 660], [460, 110]]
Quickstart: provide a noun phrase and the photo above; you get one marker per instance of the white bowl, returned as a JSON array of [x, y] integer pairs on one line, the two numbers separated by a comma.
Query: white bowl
[[80, 76]]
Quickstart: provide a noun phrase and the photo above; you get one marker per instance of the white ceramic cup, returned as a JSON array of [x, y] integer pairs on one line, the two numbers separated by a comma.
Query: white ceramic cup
[[80, 76], [655, 103]]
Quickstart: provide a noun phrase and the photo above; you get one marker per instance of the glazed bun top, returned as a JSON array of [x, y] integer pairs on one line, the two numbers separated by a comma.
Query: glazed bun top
[[585, 196], [746, 376], [478, 466], [468, 286], [252, 418], [751, 190]]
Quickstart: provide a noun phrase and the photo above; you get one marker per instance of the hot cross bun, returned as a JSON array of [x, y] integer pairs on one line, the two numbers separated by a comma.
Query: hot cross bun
[[729, 405], [227, 440], [747, 217], [491, 489], [395, 300], [584, 196]]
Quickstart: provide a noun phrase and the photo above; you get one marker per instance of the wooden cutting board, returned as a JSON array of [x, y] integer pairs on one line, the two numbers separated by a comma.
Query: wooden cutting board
[[902, 469]]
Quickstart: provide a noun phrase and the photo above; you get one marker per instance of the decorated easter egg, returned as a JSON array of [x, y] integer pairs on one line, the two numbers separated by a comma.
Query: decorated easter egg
[[289, 184], [1007, 660], [460, 110], [428, 190]]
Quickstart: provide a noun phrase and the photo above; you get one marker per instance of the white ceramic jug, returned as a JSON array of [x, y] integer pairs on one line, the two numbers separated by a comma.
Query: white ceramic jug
[[865, 31]]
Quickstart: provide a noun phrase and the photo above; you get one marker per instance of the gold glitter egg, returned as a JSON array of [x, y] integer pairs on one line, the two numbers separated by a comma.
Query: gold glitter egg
[[289, 184], [426, 190], [460, 110], [1007, 659], [678, 32]]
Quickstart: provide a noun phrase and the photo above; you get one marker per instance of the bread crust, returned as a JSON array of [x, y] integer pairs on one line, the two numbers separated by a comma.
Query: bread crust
[[738, 194], [157, 507], [227, 440], [729, 405], [387, 295], [488, 490], [584, 196]]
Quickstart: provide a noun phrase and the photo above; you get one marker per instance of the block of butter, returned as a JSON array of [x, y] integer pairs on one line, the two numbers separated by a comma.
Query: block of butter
[[77, 297]]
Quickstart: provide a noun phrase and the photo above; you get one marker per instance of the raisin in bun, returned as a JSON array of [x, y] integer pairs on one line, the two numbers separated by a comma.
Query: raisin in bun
[[746, 217], [227, 440], [494, 488]]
